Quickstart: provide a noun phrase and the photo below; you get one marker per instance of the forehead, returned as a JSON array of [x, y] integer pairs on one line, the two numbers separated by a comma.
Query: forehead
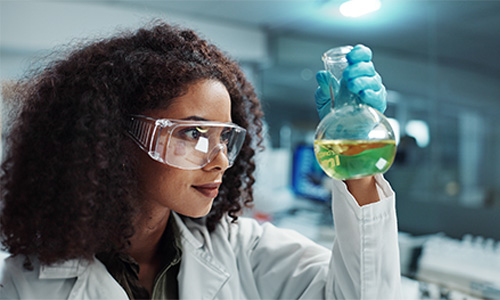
[[205, 99]]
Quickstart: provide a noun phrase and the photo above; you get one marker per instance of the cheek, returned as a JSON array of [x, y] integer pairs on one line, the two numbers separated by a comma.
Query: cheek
[[180, 148], [154, 177], [165, 190], [162, 179], [164, 185]]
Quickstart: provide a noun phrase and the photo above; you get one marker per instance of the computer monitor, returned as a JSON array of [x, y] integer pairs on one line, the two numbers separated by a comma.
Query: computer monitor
[[308, 179]]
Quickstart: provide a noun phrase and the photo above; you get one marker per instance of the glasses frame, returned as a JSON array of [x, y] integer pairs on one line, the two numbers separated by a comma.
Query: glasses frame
[[145, 132]]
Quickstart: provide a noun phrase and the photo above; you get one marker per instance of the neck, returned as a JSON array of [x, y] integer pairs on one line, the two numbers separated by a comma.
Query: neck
[[149, 229]]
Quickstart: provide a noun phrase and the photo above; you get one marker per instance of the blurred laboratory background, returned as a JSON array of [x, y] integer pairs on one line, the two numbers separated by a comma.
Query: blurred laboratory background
[[439, 61]]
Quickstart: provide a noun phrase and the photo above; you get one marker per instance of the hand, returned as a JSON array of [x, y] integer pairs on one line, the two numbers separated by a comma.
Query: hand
[[364, 190], [361, 77]]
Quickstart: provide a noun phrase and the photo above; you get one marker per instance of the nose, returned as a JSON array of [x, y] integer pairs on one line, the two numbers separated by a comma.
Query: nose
[[218, 159]]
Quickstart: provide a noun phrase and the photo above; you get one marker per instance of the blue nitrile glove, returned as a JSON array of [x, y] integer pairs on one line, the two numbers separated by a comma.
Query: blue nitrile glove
[[361, 77]]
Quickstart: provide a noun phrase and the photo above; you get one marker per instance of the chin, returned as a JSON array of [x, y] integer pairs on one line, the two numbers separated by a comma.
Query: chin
[[196, 214]]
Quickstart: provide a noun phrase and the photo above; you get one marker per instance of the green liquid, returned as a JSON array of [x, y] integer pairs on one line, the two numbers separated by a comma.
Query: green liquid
[[348, 159]]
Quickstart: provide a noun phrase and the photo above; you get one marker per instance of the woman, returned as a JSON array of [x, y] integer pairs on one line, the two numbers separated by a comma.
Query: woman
[[127, 169]]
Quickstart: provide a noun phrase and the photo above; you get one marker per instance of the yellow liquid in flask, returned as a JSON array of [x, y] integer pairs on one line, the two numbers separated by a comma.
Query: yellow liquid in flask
[[350, 159]]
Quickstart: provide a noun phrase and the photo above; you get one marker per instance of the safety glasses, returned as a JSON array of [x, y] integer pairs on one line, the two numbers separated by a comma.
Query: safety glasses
[[187, 145]]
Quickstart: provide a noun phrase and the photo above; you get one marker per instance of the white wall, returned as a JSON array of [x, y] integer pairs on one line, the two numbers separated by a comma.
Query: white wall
[[29, 27]]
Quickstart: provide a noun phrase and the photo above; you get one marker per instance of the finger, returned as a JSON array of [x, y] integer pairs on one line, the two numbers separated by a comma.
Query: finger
[[376, 99], [328, 85], [359, 69], [324, 109], [358, 84], [359, 53], [323, 79], [321, 98]]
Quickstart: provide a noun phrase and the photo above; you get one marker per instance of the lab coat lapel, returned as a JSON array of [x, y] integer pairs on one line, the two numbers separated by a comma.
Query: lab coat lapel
[[198, 268], [199, 277]]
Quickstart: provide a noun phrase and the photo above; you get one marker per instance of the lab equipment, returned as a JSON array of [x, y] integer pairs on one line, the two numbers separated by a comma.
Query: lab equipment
[[470, 265], [185, 144], [354, 140], [308, 179]]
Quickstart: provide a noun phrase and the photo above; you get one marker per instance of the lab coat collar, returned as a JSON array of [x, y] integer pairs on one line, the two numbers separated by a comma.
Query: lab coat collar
[[185, 233], [198, 267], [68, 269]]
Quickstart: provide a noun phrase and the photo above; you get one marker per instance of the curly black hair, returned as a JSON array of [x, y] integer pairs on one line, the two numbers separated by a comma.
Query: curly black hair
[[68, 181]]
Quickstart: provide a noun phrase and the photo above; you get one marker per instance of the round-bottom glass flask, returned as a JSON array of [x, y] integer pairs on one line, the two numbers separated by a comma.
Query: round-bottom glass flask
[[354, 140]]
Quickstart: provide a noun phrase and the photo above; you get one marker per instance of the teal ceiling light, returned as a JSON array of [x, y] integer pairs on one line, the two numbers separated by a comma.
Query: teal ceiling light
[[357, 8]]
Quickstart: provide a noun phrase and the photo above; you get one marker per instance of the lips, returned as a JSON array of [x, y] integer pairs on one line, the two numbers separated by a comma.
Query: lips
[[210, 190]]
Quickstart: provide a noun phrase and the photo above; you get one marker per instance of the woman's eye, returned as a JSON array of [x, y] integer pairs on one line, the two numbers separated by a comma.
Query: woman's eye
[[195, 132], [225, 135]]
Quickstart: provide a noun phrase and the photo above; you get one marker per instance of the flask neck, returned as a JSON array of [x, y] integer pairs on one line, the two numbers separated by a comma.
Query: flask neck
[[335, 63], [344, 96]]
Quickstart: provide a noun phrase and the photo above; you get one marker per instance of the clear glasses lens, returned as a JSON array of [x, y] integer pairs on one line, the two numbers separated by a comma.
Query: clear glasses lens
[[187, 145]]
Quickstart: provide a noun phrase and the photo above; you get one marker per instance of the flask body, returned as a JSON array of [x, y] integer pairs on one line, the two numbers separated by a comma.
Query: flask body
[[354, 140]]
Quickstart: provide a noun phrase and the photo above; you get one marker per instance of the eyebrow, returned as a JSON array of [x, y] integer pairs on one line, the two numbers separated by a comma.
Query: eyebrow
[[198, 118], [194, 118]]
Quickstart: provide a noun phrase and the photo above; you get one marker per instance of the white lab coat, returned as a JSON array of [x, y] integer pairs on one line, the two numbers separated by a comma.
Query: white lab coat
[[250, 261]]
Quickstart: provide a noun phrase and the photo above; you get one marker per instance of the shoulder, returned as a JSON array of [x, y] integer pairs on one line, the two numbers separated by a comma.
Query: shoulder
[[225, 229], [74, 279], [195, 234], [14, 276], [252, 235], [12, 267], [18, 282], [245, 237]]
